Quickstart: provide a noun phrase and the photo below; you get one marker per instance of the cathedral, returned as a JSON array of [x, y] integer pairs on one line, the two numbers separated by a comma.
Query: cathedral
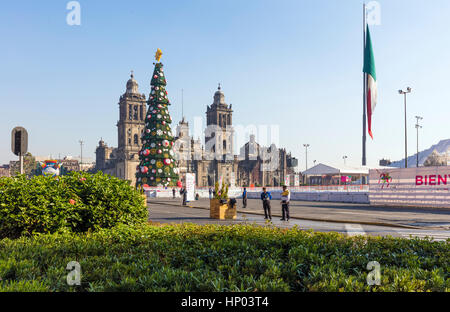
[[121, 162], [213, 162]]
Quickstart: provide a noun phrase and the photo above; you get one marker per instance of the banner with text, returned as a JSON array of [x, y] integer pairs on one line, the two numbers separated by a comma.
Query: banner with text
[[423, 187]]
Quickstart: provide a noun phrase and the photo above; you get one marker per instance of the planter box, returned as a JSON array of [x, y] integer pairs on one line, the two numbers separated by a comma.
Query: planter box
[[221, 211]]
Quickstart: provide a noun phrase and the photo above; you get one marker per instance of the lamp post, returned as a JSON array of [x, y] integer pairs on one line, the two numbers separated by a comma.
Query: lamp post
[[306, 155], [81, 156], [418, 118], [344, 158], [408, 90]]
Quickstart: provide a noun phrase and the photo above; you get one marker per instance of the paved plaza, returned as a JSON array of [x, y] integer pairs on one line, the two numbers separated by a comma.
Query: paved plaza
[[349, 219]]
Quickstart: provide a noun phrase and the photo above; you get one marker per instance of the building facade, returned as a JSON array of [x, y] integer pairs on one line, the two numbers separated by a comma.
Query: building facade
[[121, 161], [255, 165], [215, 162]]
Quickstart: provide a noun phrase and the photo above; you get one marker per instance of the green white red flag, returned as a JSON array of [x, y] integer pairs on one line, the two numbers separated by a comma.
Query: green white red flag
[[371, 81]]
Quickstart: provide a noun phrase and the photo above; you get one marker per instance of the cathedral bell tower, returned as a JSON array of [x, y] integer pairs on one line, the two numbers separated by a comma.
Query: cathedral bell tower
[[219, 131], [132, 108]]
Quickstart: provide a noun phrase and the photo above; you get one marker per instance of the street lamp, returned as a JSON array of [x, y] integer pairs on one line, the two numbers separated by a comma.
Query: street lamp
[[417, 128], [344, 158], [408, 90], [306, 155], [81, 156]]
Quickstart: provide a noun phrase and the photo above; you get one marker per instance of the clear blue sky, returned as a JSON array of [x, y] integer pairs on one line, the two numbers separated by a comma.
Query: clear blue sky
[[296, 64]]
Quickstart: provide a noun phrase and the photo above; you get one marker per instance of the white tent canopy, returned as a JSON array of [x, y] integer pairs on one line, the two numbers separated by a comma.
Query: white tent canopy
[[321, 169]]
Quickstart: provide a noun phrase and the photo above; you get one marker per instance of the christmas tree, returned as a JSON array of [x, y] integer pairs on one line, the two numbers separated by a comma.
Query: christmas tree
[[157, 166]]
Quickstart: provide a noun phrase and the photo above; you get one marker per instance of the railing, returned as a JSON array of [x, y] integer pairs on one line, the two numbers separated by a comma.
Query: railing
[[307, 188]]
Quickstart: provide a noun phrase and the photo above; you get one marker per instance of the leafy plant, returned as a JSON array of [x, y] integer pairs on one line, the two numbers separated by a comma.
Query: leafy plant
[[221, 194], [77, 202], [246, 258]]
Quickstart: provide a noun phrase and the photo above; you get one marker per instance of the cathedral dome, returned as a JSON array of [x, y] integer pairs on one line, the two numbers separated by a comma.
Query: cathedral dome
[[219, 97], [132, 85]]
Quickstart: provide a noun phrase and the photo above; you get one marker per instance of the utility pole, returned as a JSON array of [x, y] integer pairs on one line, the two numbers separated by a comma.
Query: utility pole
[[418, 118], [364, 160], [81, 156], [408, 90]]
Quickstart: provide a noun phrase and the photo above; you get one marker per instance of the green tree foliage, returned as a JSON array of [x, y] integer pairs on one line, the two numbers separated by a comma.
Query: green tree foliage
[[29, 165], [157, 166]]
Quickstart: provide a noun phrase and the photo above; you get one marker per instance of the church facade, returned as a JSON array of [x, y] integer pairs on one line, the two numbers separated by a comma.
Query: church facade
[[121, 161], [215, 161]]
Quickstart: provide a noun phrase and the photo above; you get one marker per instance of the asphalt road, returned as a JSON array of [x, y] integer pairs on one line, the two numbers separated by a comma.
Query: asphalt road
[[170, 211]]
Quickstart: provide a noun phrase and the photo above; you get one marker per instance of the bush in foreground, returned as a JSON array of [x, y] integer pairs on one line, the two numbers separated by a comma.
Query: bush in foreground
[[220, 258], [77, 202]]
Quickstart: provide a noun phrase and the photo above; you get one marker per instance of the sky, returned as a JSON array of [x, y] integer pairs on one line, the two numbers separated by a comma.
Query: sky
[[295, 65]]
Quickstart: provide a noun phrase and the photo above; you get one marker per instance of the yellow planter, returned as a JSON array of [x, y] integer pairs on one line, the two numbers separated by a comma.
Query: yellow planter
[[221, 211]]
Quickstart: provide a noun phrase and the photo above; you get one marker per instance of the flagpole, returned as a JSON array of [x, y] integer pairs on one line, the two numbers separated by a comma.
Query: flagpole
[[364, 163]]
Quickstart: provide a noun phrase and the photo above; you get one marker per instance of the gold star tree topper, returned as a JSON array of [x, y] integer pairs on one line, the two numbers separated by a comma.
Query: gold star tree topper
[[158, 54]]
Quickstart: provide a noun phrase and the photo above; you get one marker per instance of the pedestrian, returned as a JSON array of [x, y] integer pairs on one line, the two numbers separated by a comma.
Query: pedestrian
[[244, 198], [266, 197], [173, 193], [285, 198], [210, 193], [184, 197]]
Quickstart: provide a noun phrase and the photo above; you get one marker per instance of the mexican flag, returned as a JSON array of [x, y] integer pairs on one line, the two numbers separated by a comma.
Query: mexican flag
[[371, 82]]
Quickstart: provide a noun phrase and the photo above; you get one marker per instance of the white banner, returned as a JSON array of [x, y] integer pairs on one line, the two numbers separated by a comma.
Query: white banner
[[287, 180], [190, 186], [296, 180], [421, 187]]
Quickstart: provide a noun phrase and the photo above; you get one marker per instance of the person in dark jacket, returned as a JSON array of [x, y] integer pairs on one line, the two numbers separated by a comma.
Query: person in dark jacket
[[173, 192], [184, 197], [266, 197], [244, 198]]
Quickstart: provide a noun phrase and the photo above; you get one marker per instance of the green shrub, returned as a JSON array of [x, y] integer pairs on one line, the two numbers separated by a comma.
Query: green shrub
[[77, 202], [220, 258]]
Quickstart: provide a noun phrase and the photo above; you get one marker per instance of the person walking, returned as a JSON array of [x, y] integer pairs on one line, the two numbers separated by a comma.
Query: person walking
[[244, 198], [184, 197], [266, 197], [173, 193], [285, 198]]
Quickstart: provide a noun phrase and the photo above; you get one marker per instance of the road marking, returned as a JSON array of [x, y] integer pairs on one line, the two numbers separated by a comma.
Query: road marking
[[354, 229]]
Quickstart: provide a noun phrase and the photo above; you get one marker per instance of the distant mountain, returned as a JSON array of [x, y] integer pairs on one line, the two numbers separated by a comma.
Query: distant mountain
[[441, 148]]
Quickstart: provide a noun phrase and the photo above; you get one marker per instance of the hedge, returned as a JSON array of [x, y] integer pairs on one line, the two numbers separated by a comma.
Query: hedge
[[77, 202], [220, 258]]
